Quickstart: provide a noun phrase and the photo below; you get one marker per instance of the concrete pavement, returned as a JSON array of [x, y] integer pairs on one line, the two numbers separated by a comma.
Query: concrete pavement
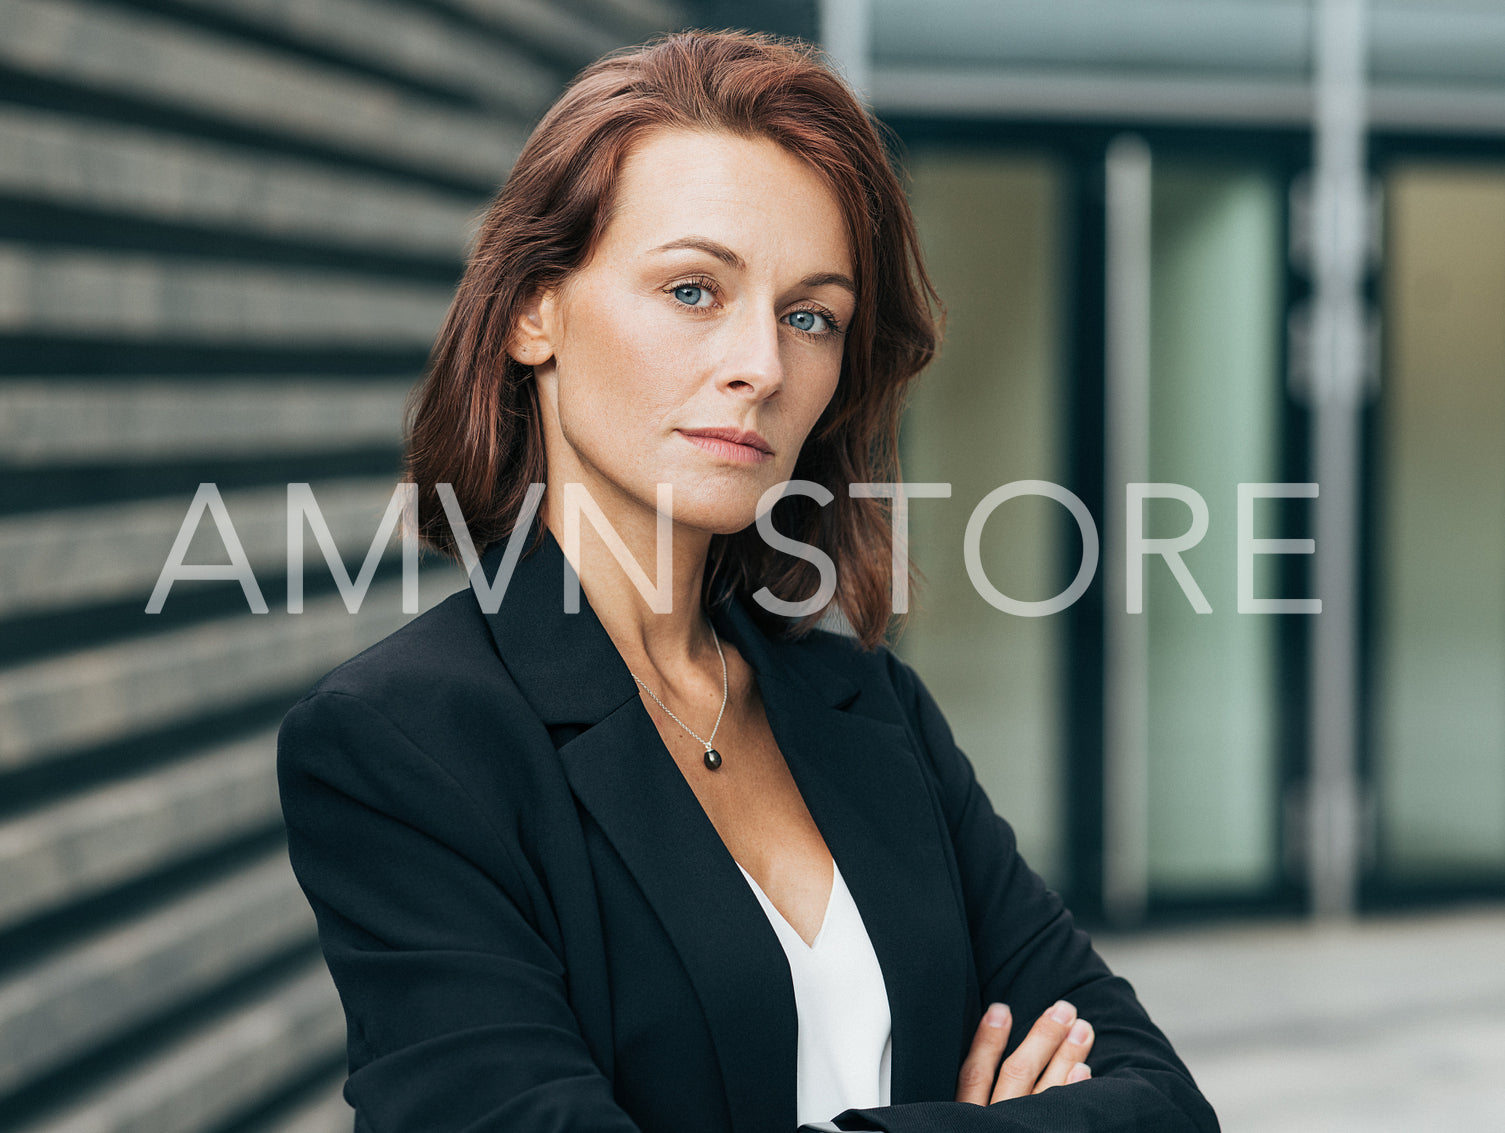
[[1384, 1025]]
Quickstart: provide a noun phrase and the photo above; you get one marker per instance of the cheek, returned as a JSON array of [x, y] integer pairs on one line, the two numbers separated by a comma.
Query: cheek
[[807, 398], [822, 377], [603, 348], [604, 342], [617, 369]]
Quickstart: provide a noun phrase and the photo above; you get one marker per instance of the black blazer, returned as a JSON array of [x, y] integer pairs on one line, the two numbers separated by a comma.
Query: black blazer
[[533, 926]]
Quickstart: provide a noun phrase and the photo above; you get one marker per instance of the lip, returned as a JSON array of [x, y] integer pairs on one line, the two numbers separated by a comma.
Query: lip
[[742, 446]]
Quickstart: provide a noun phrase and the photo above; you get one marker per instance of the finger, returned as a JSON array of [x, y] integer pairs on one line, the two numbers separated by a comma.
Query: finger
[[975, 1081], [1022, 1069], [1079, 1073], [1069, 1055]]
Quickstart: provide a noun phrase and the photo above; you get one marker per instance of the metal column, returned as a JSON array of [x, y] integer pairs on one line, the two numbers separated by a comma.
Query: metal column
[[1126, 718], [1336, 391]]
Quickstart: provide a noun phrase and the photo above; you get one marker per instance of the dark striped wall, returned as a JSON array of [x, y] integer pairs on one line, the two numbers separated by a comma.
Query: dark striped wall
[[228, 231]]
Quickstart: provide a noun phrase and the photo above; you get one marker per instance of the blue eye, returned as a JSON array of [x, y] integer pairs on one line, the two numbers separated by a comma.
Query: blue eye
[[811, 322], [689, 294]]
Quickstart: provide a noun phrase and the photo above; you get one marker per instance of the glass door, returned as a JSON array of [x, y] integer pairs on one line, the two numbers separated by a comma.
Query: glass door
[[987, 412], [1438, 709], [1195, 396], [1139, 755]]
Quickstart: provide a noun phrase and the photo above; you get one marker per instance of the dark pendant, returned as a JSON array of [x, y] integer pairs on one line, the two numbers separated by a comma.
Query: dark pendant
[[712, 758]]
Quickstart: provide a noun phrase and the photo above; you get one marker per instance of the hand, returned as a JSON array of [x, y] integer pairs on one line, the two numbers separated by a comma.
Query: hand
[[1054, 1053]]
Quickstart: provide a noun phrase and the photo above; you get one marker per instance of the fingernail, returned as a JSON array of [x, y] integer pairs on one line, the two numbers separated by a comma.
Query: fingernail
[[1079, 1073], [1081, 1032], [998, 1015], [1063, 1012]]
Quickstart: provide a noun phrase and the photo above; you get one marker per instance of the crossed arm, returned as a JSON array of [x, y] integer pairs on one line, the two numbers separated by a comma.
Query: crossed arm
[[1030, 956], [1053, 1054], [440, 974]]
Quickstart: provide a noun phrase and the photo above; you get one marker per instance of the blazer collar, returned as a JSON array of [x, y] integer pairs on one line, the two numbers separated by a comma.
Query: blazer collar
[[569, 670], [860, 777]]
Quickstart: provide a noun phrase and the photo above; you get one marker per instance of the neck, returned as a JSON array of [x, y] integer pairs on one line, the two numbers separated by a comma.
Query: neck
[[673, 636]]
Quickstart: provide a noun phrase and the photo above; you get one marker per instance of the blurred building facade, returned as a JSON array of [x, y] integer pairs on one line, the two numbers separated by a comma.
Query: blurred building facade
[[229, 230], [1171, 753]]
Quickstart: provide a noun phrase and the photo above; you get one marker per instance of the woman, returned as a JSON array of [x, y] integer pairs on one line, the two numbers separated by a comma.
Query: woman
[[674, 862]]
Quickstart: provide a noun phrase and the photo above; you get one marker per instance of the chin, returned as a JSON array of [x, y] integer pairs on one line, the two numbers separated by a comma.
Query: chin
[[720, 517]]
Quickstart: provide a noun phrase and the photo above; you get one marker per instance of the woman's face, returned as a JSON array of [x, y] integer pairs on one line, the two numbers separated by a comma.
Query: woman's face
[[717, 300]]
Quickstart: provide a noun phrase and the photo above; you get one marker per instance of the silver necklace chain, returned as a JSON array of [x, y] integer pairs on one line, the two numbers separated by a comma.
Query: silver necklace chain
[[712, 757]]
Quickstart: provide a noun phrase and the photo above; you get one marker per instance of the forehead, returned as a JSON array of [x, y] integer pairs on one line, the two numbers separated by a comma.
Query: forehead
[[749, 193]]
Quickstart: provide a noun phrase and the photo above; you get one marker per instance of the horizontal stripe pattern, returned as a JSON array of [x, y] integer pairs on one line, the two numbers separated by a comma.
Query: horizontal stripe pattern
[[78, 421], [81, 845], [148, 56], [229, 230], [90, 555], [151, 174], [325, 1110], [122, 976], [561, 29], [91, 696], [81, 292], [407, 41], [218, 1071]]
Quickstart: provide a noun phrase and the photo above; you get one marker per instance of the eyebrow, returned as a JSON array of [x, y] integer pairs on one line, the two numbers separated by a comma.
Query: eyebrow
[[731, 259]]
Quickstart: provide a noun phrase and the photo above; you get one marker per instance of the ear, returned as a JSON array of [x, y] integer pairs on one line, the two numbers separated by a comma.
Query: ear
[[532, 339]]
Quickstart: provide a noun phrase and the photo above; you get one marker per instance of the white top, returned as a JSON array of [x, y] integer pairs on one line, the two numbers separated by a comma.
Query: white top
[[845, 1047]]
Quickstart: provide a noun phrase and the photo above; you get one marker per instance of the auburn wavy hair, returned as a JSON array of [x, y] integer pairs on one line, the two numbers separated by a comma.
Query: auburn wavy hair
[[473, 422]]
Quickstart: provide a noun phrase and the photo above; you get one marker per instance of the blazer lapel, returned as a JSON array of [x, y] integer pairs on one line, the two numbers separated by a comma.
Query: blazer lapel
[[570, 672], [629, 782], [859, 777]]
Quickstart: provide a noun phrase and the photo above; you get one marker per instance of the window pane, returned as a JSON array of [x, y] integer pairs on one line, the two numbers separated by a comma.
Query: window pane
[[985, 413], [1440, 701], [1215, 296]]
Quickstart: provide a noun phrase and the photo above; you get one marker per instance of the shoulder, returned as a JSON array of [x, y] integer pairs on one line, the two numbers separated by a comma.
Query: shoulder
[[435, 686], [889, 689], [427, 725], [432, 676], [445, 642], [883, 685], [416, 735]]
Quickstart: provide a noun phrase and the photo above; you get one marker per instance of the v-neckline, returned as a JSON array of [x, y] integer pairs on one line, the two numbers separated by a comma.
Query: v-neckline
[[859, 766], [825, 919]]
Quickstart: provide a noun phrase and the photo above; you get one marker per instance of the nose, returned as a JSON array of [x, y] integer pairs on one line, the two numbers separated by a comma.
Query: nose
[[753, 364]]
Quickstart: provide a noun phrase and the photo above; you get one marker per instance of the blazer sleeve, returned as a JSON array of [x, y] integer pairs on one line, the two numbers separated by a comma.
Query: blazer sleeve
[[455, 1005], [1029, 954]]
